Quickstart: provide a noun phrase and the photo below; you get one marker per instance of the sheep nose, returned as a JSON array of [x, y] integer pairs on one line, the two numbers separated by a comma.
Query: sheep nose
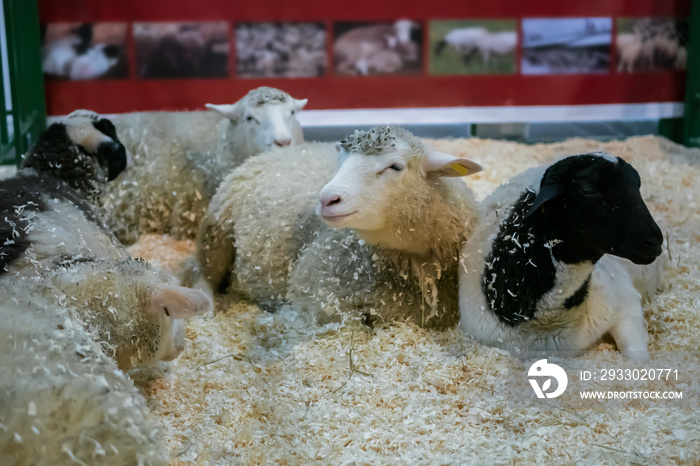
[[282, 142], [330, 200]]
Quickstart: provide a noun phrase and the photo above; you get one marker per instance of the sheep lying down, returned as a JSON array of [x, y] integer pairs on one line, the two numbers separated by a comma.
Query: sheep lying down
[[53, 238], [563, 255], [181, 157], [383, 241], [62, 399]]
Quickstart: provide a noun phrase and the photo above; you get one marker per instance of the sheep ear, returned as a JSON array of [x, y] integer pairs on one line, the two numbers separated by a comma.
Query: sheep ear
[[179, 302], [230, 111], [443, 164], [300, 103], [340, 150], [549, 190]]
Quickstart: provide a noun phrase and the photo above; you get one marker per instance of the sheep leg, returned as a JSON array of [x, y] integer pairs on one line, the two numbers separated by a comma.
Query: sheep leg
[[630, 335]]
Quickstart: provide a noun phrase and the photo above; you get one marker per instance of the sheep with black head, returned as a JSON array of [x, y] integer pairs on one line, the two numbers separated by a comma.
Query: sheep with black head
[[549, 269], [52, 236]]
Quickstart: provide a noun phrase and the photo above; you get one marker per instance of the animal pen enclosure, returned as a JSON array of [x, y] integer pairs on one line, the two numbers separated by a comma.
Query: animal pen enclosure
[[256, 387]]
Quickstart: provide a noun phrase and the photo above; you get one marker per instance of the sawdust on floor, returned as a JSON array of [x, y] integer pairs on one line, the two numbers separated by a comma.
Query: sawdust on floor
[[254, 387]]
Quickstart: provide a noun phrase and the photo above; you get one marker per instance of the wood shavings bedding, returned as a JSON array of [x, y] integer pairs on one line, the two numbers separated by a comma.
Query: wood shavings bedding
[[254, 387]]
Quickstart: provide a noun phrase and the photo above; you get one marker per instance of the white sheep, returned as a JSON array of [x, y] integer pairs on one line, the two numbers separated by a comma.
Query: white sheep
[[96, 62], [385, 241], [180, 158], [52, 235], [496, 43], [62, 400], [462, 40], [539, 273], [59, 54]]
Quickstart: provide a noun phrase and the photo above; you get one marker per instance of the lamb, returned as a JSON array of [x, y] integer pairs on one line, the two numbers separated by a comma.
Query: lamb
[[62, 400], [52, 235], [387, 245], [539, 272], [358, 46], [181, 157]]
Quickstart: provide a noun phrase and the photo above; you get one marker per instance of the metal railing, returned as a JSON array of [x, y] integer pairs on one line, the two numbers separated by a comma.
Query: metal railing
[[22, 102]]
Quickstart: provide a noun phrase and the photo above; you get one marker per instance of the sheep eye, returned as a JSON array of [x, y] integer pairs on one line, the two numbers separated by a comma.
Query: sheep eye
[[293, 112], [396, 167], [250, 118], [167, 313], [588, 192]]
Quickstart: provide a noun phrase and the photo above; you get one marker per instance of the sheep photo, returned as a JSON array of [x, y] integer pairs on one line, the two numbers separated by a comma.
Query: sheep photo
[[377, 48], [181, 50], [566, 46], [651, 44], [75, 51], [280, 50], [473, 47]]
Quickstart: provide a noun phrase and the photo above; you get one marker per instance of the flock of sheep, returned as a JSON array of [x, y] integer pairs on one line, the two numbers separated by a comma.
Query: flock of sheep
[[289, 50], [181, 50], [653, 43], [377, 227]]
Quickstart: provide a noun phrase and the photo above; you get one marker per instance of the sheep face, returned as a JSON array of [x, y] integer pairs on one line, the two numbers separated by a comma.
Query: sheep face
[[97, 137], [595, 208], [266, 122], [380, 170], [132, 308]]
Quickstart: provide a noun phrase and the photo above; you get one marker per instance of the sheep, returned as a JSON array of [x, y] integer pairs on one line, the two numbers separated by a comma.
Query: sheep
[[62, 400], [652, 44], [52, 234], [628, 49], [539, 272], [497, 43], [462, 40], [71, 163], [280, 49], [172, 50], [58, 55], [354, 48], [95, 62], [375, 229], [180, 158]]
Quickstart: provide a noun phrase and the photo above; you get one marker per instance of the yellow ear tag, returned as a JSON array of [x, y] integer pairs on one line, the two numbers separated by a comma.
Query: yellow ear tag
[[461, 169]]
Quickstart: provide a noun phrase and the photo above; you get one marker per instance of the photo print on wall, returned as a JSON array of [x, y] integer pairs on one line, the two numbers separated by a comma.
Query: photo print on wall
[[651, 44], [566, 45], [79, 51], [376, 48], [473, 46], [280, 50], [181, 50]]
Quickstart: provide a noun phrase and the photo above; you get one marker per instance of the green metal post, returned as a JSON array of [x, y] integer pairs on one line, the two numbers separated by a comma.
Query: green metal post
[[691, 120], [26, 85]]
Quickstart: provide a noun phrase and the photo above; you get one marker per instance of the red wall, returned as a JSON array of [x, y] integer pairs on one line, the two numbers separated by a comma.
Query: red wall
[[423, 90]]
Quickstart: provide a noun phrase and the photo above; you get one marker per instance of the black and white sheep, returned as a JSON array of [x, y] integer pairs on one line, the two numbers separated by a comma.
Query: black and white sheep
[[52, 235], [384, 244], [539, 272], [181, 157]]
